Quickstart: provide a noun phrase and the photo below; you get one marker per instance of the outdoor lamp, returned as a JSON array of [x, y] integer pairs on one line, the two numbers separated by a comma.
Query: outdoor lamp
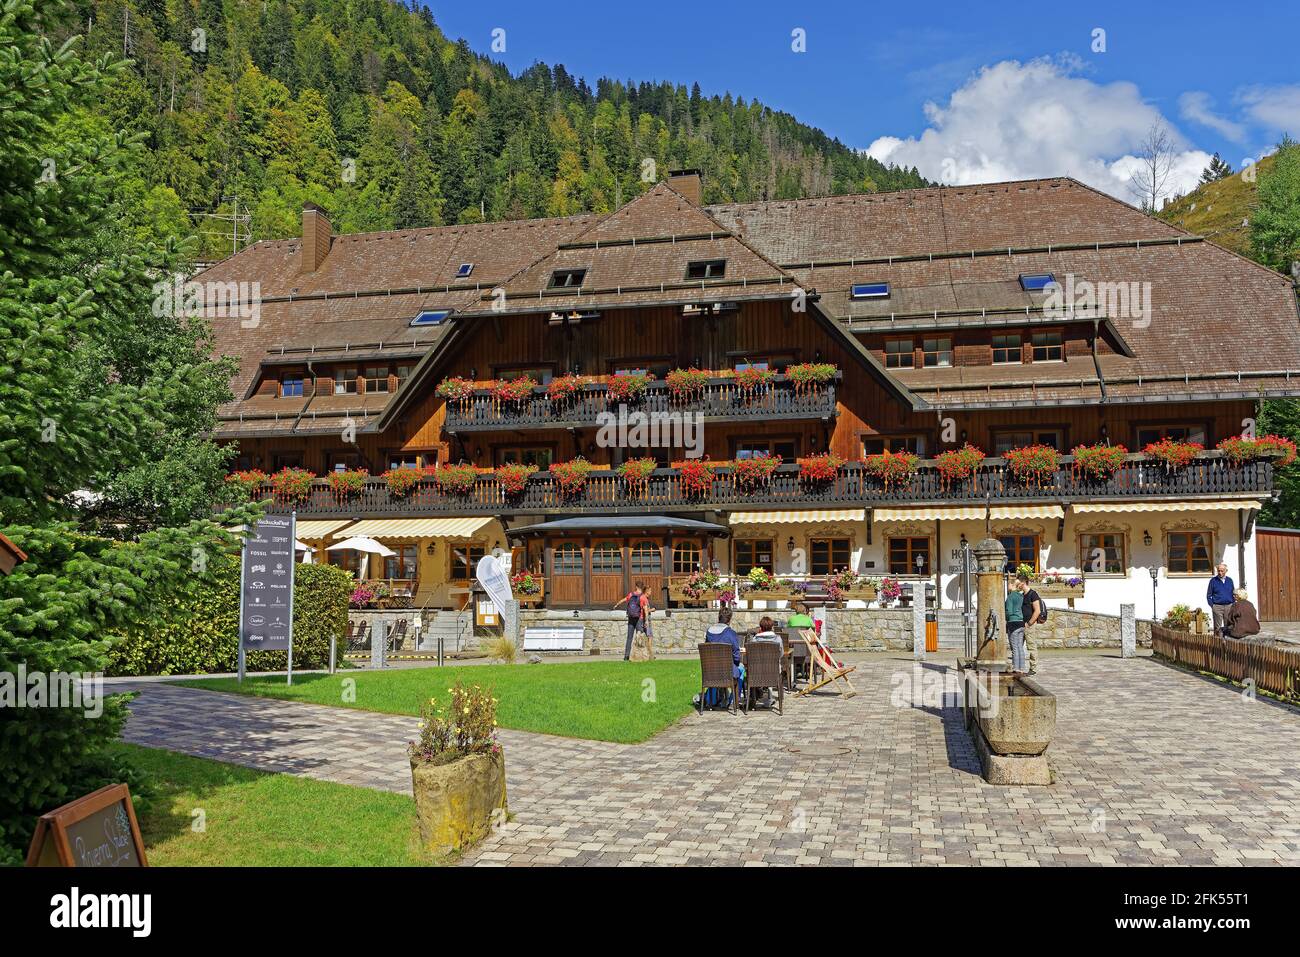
[[920, 561], [790, 543], [1146, 540], [430, 548]]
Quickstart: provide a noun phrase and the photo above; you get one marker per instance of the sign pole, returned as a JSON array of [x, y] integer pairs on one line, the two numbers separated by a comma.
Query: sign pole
[[242, 565], [293, 555]]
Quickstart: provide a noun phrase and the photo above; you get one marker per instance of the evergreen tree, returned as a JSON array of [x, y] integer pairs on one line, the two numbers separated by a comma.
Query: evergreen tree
[[1217, 169]]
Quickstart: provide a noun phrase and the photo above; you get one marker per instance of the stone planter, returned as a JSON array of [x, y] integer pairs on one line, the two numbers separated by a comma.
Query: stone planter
[[458, 803]]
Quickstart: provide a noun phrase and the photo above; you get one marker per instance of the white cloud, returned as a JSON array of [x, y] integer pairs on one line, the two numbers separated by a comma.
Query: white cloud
[[1276, 108], [1016, 120], [1198, 107]]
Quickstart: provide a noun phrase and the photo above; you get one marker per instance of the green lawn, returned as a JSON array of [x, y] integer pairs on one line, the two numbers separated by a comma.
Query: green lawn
[[256, 818], [600, 700]]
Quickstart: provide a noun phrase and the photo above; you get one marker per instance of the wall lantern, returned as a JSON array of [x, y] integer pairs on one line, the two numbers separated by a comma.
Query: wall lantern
[[431, 548], [1146, 537], [790, 544]]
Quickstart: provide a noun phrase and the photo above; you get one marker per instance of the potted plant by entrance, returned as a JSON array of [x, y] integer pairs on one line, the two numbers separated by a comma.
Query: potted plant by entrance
[[527, 587], [458, 770]]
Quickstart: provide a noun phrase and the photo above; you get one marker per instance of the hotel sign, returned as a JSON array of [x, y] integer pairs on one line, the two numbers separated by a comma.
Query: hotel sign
[[266, 586]]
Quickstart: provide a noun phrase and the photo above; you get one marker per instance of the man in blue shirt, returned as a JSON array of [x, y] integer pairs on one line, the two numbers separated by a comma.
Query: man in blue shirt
[[723, 633], [1219, 595]]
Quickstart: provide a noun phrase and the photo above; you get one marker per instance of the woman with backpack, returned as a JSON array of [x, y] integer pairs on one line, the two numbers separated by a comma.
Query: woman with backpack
[[638, 611]]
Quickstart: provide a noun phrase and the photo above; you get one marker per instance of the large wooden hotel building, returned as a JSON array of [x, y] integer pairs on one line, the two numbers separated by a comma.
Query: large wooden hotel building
[[823, 331]]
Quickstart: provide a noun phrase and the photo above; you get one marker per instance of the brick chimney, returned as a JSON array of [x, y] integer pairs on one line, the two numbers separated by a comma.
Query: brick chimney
[[688, 183], [316, 235]]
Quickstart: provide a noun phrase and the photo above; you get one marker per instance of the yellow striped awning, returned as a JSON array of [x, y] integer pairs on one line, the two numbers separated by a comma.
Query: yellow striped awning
[[804, 516], [319, 528], [416, 527], [1026, 511], [928, 514], [1089, 507]]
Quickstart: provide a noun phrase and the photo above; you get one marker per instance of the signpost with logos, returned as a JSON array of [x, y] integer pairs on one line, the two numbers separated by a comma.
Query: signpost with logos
[[266, 589]]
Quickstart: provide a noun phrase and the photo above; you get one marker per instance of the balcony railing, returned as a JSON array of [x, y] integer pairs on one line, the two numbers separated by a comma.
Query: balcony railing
[[720, 400], [1208, 476]]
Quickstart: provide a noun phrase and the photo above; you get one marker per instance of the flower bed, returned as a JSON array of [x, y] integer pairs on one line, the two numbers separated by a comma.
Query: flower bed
[[892, 468], [819, 469], [1173, 454], [513, 478], [349, 482], [625, 387], [571, 477], [956, 465], [755, 472], [1240, 449], [455, 479], [1098, 462], [454, 389], [1033, 464], [292, 485]]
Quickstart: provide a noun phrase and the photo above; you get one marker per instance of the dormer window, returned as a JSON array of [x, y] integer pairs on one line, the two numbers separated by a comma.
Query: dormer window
[[291, 383], [706, 269], [431, 317], [1036, 282], [463, 270], [870, 290], [567, 278]]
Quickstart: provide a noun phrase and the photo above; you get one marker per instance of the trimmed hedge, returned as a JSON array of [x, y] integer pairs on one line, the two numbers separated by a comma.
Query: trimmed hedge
[[199, 633]]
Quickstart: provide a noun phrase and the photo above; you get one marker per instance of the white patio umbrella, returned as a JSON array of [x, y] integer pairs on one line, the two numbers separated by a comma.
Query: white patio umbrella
[[362, 543]]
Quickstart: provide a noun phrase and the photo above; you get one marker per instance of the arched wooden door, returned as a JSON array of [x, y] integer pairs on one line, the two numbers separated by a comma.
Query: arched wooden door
[[567, 573]]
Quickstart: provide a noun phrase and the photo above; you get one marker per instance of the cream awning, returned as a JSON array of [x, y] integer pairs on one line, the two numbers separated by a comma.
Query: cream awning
[[929, 514], [319, 528], [418, 527], [1026, 511], [1088, 507], [805, 516]]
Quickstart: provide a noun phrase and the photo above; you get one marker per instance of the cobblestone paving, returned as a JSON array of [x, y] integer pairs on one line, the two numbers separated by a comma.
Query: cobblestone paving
[[1153, 766]]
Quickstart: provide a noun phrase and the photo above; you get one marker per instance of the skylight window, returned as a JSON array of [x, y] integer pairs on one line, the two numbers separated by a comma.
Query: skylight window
[[871, 290], [431, 317], [1036, 282], [706, 269], [567, 278], [463, 270]]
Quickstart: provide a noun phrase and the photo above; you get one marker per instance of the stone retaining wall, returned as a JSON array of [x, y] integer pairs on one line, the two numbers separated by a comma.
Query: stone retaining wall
[[1085, 629]]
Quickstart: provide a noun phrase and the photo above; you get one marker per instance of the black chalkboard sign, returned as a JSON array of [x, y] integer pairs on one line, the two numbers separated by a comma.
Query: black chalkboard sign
[[98, 830], [266, 586]]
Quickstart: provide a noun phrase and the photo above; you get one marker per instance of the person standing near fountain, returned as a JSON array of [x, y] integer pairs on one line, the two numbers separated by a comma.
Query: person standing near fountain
[[1032, 611], [1013, 608]]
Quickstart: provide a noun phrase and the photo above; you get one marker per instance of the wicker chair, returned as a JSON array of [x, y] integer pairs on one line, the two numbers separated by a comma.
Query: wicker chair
[[716, 671], [800, 661], [763, 670]]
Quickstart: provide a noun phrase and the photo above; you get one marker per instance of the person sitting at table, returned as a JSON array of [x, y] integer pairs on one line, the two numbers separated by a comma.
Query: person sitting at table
[[767, 632], [1241, 620], [800, 618], [723, 633]]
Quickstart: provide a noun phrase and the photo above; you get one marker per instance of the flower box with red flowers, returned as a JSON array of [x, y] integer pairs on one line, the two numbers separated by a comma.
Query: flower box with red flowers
[[513, 478], [819, 469], [292, 485], [348, 482], [892, 468], [454, 389], [636, 472], [514, 391], [626, 386], [808, 376], [956, 465], [694, 477], [455, 479], [1240, 449], [686, 384], [571, 477], [246, 482], [528, 588], [752, 379], [1033, 464], [562, 389], [1172, 453], [1098, 462], [401, 480], [756, 471]]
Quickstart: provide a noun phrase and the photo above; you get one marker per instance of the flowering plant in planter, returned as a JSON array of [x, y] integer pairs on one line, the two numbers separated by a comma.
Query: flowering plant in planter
[[245, 482], [512, 478], [1056, 578], [361, 597], [292, 485], [514, 391], [455, 479], [401, 480], [467, 726], [752, 379], [1098, 461], [626, 387], [890, 591], [686, 383], [636, 472], [454, 389], [893, 468], [755, 472], [811, 375], [958, 464], [1033, 464], [819, 468], [525, 583], [695, 477], [1240, 449], [571, 476], [700, 582], [760, 579], [349, 481], [1172, 453], [563, 388]]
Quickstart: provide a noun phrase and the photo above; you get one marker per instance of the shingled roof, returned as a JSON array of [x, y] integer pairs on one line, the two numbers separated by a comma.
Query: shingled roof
[[952, 256]]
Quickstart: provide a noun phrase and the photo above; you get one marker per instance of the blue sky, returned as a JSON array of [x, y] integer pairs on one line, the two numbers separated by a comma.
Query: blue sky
[[968, 92]]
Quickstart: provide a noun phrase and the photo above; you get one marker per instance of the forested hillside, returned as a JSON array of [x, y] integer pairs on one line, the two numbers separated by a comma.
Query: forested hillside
[[366, 108]]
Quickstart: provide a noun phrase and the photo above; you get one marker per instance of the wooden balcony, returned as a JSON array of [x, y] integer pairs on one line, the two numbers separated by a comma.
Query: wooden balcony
[[1209, 476], [719, 401]]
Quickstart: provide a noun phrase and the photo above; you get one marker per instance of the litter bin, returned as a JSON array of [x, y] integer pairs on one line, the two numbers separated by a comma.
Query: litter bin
[[931, 631]]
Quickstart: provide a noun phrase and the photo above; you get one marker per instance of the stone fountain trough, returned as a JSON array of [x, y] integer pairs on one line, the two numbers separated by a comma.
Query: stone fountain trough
[[1011, 719]]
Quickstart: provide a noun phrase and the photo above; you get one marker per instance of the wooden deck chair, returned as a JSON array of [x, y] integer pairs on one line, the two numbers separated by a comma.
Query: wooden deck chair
[[831, 669], [357, 642], [397, 636]]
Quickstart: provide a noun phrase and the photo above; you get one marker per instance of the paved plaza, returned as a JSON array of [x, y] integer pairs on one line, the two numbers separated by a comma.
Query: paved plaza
[[1152, 766]]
